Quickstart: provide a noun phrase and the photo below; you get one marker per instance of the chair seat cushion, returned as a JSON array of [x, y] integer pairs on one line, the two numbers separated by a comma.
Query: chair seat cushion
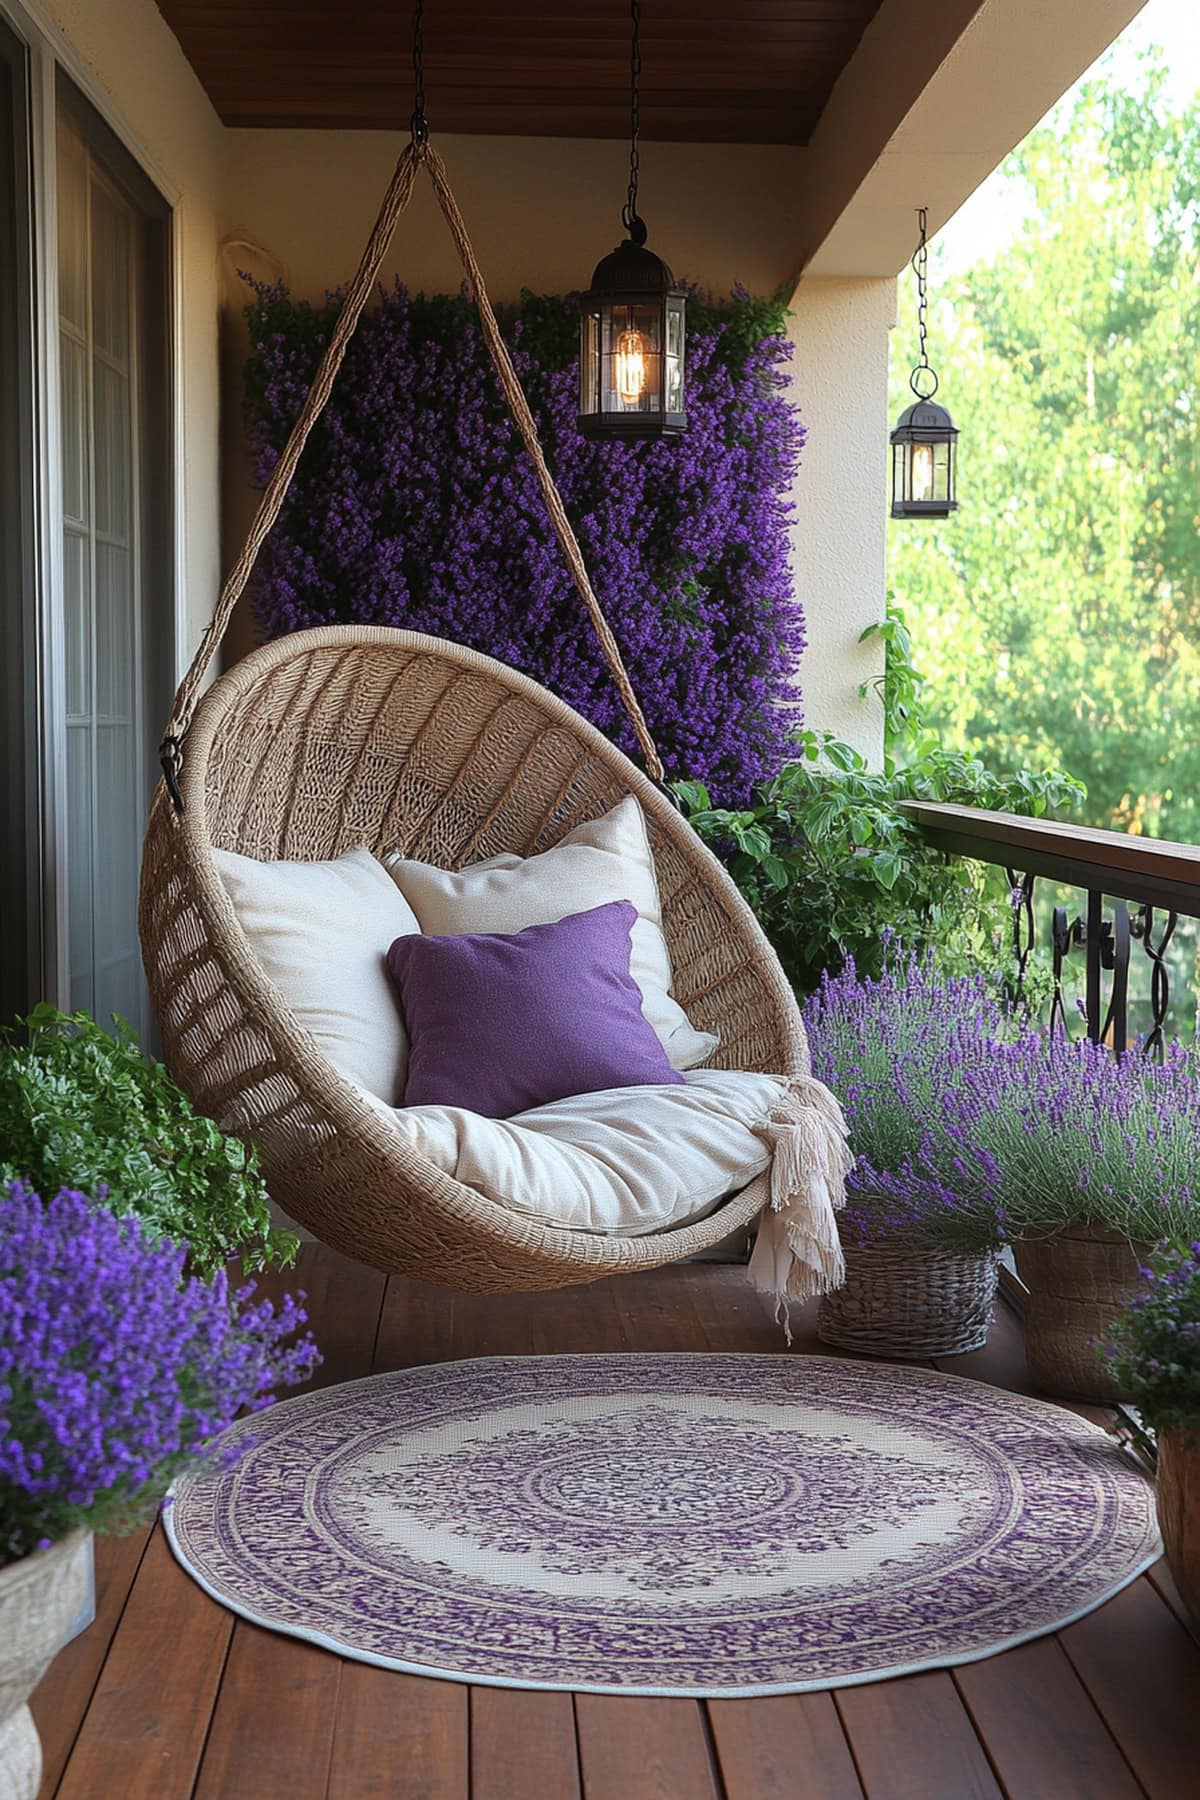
[[624, 1161], [603, 860]]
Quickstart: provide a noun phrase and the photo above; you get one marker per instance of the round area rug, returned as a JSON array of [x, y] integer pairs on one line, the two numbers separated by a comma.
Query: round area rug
[[673, 1524]]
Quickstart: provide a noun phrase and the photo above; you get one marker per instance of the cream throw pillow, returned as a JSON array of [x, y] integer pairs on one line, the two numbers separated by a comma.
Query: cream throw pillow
[[595, 1162], [606, 859], [321, 931]]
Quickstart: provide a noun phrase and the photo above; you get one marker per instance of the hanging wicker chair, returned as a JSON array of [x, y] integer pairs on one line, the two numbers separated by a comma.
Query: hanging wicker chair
[[344, 736], [340, 737]]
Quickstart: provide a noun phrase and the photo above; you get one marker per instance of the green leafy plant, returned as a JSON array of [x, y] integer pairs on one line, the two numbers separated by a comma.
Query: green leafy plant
[[833, 867], [830, 863], [84, 1109], [901, 688]]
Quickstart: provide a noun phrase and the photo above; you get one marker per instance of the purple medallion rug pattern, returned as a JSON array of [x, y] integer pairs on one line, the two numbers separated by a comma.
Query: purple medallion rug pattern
[[671, 1524]]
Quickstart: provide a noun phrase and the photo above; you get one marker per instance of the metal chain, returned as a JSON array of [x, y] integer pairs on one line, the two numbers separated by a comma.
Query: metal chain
[[629, 212], [420, 124], [920, 263]]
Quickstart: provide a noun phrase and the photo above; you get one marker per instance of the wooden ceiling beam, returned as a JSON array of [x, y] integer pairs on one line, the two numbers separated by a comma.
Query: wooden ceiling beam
[[754, 71]]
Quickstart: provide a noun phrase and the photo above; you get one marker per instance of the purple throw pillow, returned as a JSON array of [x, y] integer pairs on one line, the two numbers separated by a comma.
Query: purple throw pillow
[[501, 1022]]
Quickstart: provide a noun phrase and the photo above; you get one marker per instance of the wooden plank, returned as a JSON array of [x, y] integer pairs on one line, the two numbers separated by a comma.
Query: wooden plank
[[783, 1747], [634, 1748], [420, 1746], [913, 1739], [144, 1732], [557, 69], [64, 1693], [1161, 1577], [1042, 1732], [274, 1715], [277, 1703], [1108, 862], [1001, 1361], [591, 1320], [421, 1323], [523, 1743], [1142, 1670], [344, 1303], [398, 1737], [734, 1316]]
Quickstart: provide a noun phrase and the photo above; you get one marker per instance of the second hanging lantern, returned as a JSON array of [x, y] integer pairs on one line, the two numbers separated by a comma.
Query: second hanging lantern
[[925, 438]]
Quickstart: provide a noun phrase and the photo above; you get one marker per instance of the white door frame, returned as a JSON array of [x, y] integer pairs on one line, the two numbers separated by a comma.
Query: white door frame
[[49, 51]]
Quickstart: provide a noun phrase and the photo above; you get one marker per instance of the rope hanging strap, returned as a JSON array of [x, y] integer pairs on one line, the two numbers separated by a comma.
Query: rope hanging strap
[[519, 407], [397, 197]]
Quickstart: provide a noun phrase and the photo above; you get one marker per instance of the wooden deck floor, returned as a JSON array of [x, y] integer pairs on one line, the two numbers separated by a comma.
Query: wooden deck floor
[[169, 1696]]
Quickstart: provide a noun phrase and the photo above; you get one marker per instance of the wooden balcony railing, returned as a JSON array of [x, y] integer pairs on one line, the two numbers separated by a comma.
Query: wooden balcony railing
[[1136, 890]]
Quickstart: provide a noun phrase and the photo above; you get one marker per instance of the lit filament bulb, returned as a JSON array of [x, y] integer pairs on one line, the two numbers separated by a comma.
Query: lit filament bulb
[[629, 366], [922, 472]]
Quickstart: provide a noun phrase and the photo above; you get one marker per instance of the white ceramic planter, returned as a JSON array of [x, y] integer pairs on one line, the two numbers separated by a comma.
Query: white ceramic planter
[[41, 1597]]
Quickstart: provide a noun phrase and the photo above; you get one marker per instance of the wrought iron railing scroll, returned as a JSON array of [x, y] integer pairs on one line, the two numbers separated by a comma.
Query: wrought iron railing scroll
[[1137, 889]]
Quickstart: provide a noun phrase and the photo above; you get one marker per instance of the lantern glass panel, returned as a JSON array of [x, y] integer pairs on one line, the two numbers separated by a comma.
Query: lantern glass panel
[[921, 463], [589, 362], [900, 472], [674, 355], [631, 360]]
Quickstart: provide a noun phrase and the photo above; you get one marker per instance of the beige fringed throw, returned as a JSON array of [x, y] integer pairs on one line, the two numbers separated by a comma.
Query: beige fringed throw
[[798, 1252]]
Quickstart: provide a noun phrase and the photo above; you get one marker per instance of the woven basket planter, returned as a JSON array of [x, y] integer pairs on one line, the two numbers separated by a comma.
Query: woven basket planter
[[40, 1597], [910, 1304], [1179, 1512], [1080, 1281]]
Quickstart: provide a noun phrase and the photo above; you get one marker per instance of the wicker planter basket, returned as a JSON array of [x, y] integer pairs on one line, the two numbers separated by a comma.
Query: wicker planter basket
[[39, 1599], [1079, 1282], [910, 1304], [1179, 1512]]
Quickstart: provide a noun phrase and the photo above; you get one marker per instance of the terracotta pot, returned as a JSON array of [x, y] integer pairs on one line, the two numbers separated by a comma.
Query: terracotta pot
[[40, 1597], [1079, 1282], [910, 1303], [1179, 1511]]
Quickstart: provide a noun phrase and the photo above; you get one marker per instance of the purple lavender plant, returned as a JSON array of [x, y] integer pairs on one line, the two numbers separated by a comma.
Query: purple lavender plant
[[971, 1129], [415, 505], [910, 1057], [1082, 1135], [1156, 1355], [115, 1373]]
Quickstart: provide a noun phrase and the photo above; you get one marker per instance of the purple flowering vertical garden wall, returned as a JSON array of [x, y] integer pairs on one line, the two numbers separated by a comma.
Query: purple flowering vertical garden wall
[[415, 505]]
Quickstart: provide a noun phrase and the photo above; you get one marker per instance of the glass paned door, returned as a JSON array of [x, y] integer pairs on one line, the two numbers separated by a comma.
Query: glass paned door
[[98, 280]]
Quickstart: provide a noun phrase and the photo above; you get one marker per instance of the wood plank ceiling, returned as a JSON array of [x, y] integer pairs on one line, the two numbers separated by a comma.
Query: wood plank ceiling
[[713, 71]]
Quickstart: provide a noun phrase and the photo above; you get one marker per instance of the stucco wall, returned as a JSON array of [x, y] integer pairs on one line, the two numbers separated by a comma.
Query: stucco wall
[[166, 115], [541, 213], [840, 332]]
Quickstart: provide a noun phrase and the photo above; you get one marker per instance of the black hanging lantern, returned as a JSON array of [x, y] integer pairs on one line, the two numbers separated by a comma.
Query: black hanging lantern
[[923, 443], [631, 378]]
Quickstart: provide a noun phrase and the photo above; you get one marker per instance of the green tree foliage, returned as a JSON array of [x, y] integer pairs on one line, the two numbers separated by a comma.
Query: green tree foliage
[[1058, 612], [834, 868]]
